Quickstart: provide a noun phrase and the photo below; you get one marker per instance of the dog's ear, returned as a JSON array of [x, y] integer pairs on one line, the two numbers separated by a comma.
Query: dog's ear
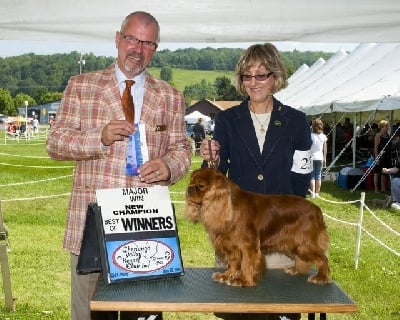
[[217, 203]]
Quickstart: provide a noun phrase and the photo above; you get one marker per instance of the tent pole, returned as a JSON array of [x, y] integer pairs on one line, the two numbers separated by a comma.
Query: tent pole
[[4, 265], [355, 138], [334, 138]]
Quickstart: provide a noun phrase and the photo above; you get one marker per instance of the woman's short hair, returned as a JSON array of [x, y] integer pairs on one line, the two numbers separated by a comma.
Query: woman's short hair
[[317, 126], [383, 123], [269, 57]]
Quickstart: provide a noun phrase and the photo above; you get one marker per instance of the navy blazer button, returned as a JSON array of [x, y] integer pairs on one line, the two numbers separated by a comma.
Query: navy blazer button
[[260, 177]]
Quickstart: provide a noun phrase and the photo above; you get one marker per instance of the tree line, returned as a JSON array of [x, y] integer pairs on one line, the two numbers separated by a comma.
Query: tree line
[[40, 79]]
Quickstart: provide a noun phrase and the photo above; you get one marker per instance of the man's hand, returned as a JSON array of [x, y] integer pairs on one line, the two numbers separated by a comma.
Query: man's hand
[[154, 171], [116, 130]]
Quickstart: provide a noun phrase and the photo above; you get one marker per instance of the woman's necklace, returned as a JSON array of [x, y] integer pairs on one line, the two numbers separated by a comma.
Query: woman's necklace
[[262, 125], [263, 122]]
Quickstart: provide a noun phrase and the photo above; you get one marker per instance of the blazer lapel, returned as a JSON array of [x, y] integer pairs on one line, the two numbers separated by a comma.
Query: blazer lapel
[[112, 96], [151, 101], [245, 131], [277, 126]]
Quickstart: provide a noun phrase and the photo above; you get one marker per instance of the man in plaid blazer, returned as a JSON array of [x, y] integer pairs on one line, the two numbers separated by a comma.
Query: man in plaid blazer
[[90, 128]]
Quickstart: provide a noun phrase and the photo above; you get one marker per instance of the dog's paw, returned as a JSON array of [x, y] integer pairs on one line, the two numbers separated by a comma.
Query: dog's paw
[[240, 283], [291, 270], [220, 277], [298, 269], [318, 279], [230, 280]]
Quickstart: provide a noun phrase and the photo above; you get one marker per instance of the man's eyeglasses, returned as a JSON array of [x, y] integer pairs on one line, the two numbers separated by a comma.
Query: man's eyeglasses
[[149, 45], [258, 77]]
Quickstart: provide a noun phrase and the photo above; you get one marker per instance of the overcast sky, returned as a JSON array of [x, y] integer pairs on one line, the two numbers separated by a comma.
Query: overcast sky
[[16, 48]]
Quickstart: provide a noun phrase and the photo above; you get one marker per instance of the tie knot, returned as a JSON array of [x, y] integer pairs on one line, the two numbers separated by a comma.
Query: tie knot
[[129, 83]]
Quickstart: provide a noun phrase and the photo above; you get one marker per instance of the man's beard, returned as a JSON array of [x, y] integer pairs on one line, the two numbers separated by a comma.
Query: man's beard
[[135, 67]]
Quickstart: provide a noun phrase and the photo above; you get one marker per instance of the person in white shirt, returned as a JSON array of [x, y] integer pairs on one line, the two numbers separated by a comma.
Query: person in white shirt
[[318, 155], [35, 125]]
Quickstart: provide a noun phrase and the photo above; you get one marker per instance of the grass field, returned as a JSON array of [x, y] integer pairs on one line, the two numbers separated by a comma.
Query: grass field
[[183, 77], [34, 194]]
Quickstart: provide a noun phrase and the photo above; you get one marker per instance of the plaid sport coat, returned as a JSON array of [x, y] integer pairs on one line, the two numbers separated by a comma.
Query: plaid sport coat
[[89, 102]]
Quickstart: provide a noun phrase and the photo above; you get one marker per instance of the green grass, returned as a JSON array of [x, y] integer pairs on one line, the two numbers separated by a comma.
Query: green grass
[[39, 266], [184, 77]]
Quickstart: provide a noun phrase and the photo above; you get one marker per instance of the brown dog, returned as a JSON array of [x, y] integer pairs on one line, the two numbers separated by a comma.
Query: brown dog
[[243, 225]]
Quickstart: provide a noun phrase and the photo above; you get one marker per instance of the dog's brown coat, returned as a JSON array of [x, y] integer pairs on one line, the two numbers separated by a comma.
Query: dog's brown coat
[[243, 225]]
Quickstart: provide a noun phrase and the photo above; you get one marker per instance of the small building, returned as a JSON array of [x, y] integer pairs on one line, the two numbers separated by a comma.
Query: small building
[[42, 112], [210, 108]]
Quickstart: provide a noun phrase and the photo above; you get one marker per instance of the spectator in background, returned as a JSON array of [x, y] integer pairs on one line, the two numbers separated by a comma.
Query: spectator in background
[[35, 124], [396, 144], [51, 121], [23, 129], [212, 125], [339, 139], [385, 161], [11, 128], [348, 130], [394, 185], [318, 155], [371, 135], [199, 133]]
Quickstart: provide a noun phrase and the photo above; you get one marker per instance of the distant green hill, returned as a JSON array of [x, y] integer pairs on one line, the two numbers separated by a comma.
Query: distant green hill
[[183, 77]]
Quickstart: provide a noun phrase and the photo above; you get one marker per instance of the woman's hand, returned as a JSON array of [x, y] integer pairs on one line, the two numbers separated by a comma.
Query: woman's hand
[[209, 150]]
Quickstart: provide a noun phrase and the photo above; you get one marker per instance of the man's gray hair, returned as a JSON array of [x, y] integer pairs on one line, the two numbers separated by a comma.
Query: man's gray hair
[[145, 17]]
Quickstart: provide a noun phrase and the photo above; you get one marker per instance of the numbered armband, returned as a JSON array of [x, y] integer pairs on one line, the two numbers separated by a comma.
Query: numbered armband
[[302, 162]]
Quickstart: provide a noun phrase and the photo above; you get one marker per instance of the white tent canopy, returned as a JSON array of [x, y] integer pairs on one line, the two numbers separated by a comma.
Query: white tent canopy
[[359, 81], [299, 72], [206, 21], [367, 79], [195, 116]]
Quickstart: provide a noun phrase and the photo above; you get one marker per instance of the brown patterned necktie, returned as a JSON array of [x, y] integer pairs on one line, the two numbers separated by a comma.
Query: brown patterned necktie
[[127, 102]]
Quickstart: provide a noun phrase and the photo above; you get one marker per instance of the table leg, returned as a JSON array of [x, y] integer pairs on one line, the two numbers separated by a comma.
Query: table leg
[[322, 316]]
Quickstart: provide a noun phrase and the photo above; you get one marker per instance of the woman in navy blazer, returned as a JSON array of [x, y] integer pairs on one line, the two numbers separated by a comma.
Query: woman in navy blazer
[[262, 144], [272, 170]]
